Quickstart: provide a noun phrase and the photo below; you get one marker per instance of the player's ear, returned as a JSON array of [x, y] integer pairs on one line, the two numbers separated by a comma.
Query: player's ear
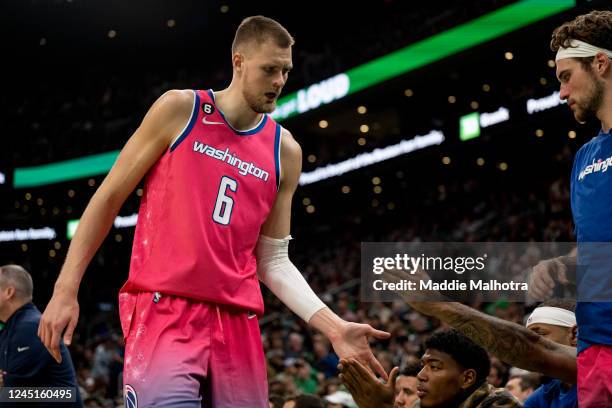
[[602, 63], [573, 335], [237, 61]]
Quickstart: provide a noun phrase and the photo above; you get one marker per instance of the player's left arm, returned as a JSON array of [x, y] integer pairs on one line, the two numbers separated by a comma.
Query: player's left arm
[[279, 274]]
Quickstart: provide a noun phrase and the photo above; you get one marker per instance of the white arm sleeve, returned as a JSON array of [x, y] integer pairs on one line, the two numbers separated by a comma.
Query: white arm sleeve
[[279, 274]]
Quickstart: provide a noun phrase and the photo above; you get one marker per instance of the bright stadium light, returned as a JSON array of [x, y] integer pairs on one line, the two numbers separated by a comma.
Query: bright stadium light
[[545, 103], [493, 118], [29, 234], [71, 228], [435, 137], [471, 124], [124, 222]]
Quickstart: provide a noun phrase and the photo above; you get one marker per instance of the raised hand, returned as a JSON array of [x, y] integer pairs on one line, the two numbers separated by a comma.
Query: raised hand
[[367, 390]]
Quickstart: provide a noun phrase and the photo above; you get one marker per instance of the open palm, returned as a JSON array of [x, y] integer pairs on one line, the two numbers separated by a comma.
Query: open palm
[[352, 342]]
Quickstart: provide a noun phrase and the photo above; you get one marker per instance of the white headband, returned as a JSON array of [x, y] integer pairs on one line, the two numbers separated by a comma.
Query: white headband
[[579, 49], [552, 315]]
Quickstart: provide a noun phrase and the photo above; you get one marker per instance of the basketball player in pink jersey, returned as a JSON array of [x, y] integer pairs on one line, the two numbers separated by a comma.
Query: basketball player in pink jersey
[[213, 221]]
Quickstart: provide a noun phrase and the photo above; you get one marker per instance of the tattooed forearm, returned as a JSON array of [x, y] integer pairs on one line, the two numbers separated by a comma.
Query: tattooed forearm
[[510, 342]]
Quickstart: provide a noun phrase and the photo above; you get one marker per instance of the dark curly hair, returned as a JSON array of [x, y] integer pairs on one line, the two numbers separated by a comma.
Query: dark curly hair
[[463, 350], [594, 28]]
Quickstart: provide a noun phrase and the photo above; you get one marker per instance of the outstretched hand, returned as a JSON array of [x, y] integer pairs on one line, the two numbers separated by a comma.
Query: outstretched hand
[[352, 342]]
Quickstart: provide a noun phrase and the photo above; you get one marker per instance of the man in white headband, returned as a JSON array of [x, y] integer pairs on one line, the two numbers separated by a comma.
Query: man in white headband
[[555, 320], [584, 69]]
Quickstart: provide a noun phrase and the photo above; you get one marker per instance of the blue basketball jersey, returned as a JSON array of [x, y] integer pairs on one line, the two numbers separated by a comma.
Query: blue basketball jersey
[[591, 200]]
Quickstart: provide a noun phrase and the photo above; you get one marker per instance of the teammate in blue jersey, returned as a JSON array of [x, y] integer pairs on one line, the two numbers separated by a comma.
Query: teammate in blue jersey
[[584, 69], [554, 320]]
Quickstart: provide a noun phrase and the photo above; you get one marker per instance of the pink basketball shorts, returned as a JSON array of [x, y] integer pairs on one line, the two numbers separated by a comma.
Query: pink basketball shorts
[[185, 353], [595, 377]]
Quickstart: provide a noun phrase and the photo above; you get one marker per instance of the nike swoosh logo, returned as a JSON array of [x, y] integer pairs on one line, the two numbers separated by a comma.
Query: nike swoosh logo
[[250, 316], [20, 349], [207, 122]]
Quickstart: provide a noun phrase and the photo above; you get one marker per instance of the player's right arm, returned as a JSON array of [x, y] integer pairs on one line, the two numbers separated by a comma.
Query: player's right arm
[[162, 123], [512, 343]]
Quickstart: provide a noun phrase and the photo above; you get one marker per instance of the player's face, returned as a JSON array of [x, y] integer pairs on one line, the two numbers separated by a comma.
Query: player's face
[[439, 383], [265, 72], [558, 334], [405, 392], [581, 88]]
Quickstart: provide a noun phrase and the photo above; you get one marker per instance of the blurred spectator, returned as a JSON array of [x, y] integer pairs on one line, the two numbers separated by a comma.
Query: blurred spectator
[[498, 373], [304, 401], [25, 360], [523, 386], [406, 387], [340, 399], [276, 401], [305, 377], [325, 361]]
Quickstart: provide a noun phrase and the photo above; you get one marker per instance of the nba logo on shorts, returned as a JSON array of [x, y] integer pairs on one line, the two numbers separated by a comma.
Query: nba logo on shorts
[[131, 400]]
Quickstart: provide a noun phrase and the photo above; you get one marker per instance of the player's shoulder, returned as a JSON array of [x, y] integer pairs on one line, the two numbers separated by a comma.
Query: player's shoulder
[[289, 146], [177, 99], [586, 148], [170, 112]]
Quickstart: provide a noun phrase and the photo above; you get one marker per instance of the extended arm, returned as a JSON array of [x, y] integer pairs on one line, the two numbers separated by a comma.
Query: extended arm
[[161, 124], [509, 341], [284, 280]]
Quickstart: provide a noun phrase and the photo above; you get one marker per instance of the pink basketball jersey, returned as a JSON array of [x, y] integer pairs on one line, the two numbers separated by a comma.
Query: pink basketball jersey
[[203, 206]]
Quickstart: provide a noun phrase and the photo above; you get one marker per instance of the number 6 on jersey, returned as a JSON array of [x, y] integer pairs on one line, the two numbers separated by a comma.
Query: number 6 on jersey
[[222, 213]]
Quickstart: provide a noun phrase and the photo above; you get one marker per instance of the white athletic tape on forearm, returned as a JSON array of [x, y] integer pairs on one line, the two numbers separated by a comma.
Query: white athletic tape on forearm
[[279, 274], [552, 315], [580, 49]]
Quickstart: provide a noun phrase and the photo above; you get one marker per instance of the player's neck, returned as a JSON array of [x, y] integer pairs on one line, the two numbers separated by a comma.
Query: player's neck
[[235, 109], [605, 112]]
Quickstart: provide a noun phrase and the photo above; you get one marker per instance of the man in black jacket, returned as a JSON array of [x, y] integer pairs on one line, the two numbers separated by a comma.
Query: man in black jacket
[[24, 360]]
